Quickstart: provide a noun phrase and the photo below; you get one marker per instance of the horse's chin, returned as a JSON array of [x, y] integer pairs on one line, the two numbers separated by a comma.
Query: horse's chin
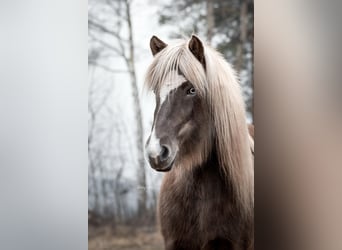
[[166, 168]]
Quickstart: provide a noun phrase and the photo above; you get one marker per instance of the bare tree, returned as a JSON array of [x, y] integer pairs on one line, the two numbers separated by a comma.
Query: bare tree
[[95, 105], [137, 106], [117, 27]]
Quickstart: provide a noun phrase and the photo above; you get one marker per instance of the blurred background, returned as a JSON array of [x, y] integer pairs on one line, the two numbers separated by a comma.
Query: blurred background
[[122, 188]]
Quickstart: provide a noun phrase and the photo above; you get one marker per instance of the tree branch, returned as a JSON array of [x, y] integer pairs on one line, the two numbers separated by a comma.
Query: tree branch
[[108, 46], [106, 68], [102, 28]]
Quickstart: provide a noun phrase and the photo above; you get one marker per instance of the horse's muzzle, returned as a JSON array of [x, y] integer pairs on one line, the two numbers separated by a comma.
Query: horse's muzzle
[[163, 161]]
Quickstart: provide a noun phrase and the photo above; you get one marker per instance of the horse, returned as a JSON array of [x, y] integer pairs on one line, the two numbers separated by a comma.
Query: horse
[[199, 138]]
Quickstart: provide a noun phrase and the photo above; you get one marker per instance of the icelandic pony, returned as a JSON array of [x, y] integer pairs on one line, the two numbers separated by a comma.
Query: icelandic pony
[[200, 138]]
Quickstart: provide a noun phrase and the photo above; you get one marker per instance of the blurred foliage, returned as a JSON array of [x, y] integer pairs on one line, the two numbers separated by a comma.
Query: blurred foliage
[[191, 16]]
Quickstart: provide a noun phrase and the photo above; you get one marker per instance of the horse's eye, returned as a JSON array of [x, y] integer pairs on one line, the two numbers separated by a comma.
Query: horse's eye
[[191, 91]]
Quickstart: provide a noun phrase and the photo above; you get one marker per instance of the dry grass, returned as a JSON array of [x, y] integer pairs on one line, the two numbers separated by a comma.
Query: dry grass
[[106, 238]]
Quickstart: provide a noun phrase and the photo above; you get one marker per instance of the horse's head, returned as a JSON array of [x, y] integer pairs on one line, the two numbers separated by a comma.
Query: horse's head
[[180, 120], [199, 113]]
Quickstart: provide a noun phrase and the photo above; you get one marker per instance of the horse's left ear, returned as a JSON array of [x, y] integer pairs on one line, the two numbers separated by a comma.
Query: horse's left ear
[[156, 45], [197, 49]]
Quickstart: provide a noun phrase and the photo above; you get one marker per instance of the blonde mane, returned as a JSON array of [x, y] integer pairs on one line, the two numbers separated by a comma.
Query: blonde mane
[[218, 85]]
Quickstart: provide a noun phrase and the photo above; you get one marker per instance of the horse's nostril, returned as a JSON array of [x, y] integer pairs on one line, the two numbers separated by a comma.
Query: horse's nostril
[[164, 153]]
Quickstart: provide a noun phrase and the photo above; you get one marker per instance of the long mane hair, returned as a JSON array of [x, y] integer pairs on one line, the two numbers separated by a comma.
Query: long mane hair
[[218, 85]]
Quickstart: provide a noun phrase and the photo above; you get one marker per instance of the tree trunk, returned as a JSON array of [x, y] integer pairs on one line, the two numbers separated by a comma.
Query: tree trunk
[[210, 20], [243, 36], [91, 163], [140, 144], [252, 84]]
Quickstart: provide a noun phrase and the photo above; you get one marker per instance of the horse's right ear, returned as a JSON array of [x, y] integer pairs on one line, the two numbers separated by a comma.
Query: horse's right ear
[[156, 45], [197, 49]]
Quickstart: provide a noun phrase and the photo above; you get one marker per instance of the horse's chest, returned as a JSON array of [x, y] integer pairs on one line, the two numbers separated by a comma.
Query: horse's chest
[[197, 207]]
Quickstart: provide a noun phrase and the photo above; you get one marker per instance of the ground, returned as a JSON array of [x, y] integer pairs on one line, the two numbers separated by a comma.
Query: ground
[[123, 238]]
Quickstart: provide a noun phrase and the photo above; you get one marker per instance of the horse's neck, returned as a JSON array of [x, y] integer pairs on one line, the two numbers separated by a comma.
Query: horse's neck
[[209, 169], [207, 176], [205, 183], [210, 166]]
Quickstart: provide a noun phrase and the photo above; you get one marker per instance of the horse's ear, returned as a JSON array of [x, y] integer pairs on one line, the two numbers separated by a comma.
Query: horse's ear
[[156, 45], [197, 49]]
